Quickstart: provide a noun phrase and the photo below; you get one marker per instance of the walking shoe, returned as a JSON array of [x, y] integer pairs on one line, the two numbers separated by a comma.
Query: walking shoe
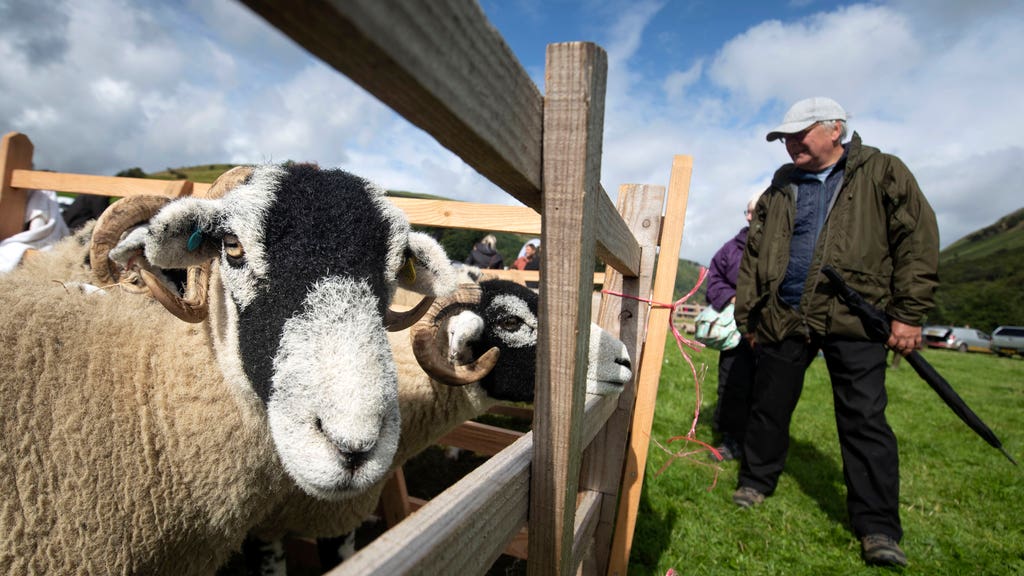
[[725, 453], [747, 497], [881, 550], [729, 450]]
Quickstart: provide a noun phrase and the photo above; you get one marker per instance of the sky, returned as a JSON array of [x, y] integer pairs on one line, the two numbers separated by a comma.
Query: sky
[[104, 85]]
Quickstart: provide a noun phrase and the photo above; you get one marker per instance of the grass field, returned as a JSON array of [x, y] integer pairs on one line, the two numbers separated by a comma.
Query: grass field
[[961, 501]]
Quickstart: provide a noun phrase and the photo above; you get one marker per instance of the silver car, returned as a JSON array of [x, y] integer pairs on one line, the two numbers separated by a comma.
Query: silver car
[[963, 339], [1008, 340]]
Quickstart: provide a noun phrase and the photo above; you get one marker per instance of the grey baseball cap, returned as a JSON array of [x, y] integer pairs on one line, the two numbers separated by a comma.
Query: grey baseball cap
[[804, 113]]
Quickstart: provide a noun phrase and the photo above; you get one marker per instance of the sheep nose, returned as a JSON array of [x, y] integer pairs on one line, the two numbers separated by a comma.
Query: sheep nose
[[624, 362], [353, 460], [354, 453]]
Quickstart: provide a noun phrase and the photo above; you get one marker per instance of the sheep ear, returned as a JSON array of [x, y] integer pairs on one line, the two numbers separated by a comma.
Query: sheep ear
[[427, 268], [185, 233]]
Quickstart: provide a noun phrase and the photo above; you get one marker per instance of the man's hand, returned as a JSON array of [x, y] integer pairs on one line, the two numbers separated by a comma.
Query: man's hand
[[904, 338], [751, 338]]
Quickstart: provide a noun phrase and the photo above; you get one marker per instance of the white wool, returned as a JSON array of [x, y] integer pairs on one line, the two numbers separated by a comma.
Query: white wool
[[464, 328], [247, 205], [526, 333], [339, 400]]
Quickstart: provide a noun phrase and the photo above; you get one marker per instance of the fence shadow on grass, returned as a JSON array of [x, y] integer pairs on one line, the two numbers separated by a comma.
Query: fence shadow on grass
[[653, 536], [820, 477]]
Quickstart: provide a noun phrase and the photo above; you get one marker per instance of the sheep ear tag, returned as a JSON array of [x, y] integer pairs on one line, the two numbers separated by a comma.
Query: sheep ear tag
[[194, 240], [408, 271]]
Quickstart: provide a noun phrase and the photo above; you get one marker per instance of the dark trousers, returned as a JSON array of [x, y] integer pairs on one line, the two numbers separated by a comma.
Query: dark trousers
[[735, 389], [869, 450]]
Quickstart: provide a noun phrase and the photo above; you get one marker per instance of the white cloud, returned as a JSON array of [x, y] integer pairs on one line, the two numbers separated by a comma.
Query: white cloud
[[677, 83], [841, 52]]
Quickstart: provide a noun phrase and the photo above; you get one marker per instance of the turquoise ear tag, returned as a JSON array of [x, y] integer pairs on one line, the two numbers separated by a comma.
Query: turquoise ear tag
[[195, 239]]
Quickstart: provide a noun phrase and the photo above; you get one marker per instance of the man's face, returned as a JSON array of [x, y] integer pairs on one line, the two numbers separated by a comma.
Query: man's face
[[814, 149]]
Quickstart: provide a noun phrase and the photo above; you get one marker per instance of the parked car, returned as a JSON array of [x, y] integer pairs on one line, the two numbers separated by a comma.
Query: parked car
[[1008, 340], [957, 338]]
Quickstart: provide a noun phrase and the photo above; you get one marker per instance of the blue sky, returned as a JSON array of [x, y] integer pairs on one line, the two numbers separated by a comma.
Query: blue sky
[[103, 85]]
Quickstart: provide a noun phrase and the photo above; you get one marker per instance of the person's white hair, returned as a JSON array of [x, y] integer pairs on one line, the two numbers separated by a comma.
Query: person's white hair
[[753, 201], [830, 124]]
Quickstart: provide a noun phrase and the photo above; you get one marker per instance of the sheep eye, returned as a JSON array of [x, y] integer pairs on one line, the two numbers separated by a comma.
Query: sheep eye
[[233, 248], [510, 323]]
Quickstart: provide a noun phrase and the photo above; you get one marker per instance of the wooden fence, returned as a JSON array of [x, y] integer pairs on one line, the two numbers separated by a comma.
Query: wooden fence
[[576, 478]]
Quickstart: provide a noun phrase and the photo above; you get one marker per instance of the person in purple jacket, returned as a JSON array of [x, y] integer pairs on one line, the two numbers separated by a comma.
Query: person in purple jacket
[[735, 366]]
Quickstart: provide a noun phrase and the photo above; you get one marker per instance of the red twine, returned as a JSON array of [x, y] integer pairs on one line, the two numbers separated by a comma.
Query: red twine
[[682, 341]]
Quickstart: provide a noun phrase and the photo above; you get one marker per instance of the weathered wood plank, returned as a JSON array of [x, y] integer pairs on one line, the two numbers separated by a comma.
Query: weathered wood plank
[[471, 215], [588, 510], [616, 245], [483, 439], [573, 126], [517, 547], [653, 354], [442, 66], [101, 185], [15, 154], [461, 531], [641, 207]]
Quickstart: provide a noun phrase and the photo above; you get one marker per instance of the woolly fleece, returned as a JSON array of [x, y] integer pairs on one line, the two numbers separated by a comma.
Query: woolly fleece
[[101, 471]]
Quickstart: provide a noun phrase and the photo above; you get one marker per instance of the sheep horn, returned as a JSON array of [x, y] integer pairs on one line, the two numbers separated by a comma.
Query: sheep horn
[[193, 307], [228, 180], [424, 346], [427, 350], [117, 218], [396, 321]]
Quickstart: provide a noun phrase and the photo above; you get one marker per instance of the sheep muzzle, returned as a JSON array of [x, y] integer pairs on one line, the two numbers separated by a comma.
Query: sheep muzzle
[[430, 351], [436, 364]]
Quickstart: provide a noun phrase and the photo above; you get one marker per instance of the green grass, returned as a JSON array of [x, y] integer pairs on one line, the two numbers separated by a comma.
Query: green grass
[[961, 501]]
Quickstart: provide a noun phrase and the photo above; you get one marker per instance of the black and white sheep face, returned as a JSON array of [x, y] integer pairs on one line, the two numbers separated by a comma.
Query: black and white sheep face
[[506, 318], [308, 260]]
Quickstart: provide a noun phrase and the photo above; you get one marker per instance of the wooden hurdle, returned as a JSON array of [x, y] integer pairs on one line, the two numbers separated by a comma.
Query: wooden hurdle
[[575, 479]]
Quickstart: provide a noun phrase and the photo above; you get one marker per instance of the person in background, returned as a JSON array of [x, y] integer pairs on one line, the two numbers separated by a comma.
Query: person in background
[[42, 227], [484, 254], [736, 365], [83, 208], [534, 264], [861, 211], [528, 252]]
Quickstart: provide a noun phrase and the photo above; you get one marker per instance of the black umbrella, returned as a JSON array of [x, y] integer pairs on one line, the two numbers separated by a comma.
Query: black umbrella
[[876, 324]]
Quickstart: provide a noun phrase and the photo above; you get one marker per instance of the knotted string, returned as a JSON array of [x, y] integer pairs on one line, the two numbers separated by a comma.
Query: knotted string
[[681, 342]]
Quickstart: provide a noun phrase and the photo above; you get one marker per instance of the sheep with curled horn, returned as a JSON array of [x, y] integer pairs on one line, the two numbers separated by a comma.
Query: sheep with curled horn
[[469, 352], [134, 443]]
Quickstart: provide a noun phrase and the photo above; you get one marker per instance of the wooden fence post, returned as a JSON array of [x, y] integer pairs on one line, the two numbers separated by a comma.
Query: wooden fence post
[[641, 207], [573, 127], [15, 154]]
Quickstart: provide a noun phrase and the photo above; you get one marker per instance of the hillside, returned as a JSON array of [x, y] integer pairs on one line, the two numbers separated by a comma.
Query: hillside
[[982, 275]]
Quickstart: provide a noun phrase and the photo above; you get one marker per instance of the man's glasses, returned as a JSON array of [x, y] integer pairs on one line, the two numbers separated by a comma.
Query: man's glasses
[[799, 136]]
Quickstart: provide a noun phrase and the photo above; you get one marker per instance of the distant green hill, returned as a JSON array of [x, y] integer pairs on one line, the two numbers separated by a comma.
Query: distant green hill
[[686, 276], [982, 277]]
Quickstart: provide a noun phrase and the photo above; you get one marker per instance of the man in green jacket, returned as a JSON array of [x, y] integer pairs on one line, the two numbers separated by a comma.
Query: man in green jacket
[[861, 211]]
